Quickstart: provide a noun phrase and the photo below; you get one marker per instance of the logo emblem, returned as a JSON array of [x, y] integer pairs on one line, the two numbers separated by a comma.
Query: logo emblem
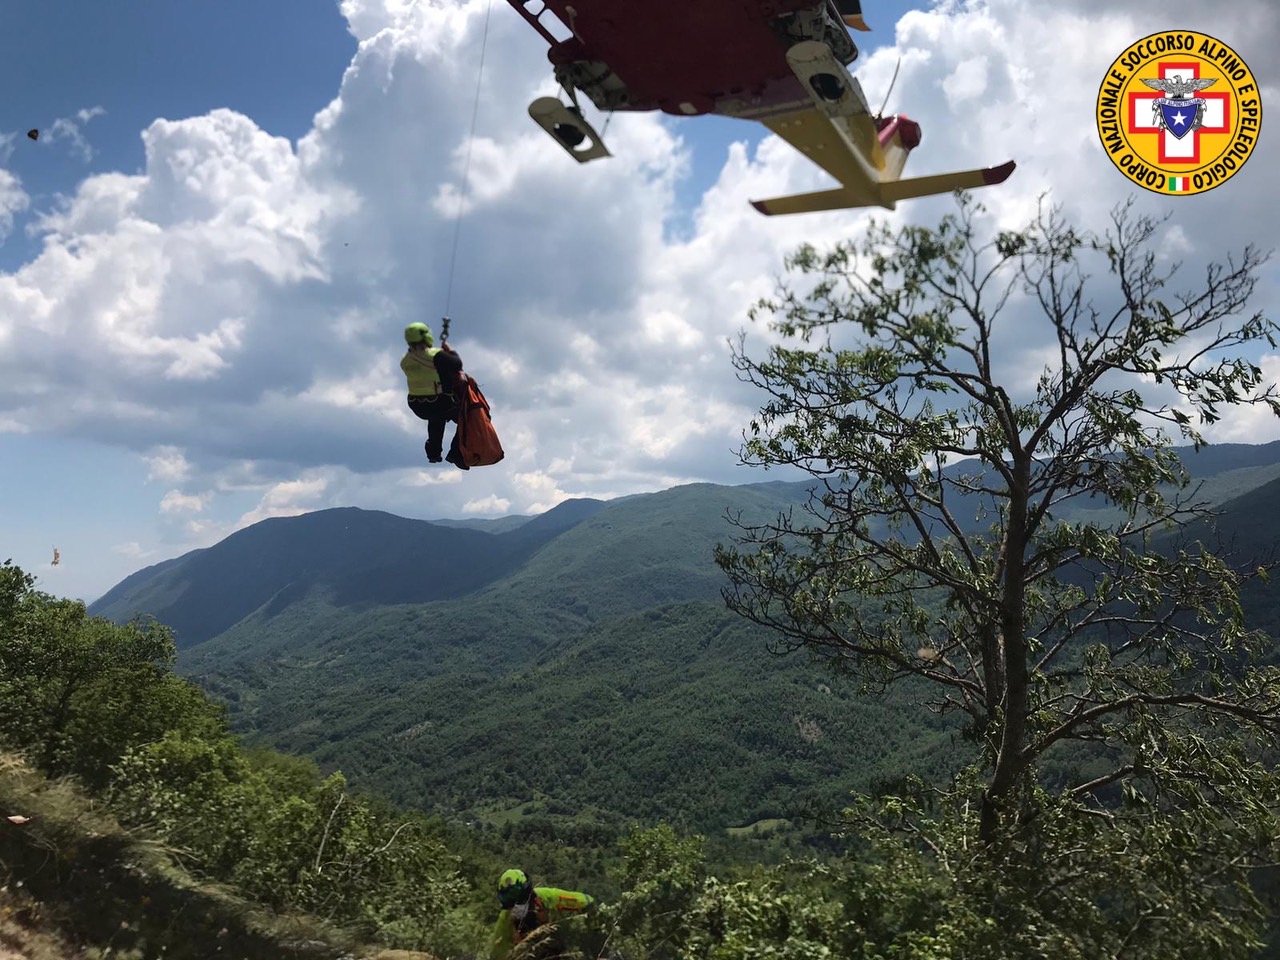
[[1179, 112]]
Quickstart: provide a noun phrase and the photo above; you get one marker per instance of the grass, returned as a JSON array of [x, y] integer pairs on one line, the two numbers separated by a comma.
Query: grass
[[761, 828], [75, 883], [22, 933]]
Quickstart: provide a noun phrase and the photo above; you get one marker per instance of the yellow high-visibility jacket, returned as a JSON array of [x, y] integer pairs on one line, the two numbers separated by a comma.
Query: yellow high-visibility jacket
[[420, 370], [550, 905]]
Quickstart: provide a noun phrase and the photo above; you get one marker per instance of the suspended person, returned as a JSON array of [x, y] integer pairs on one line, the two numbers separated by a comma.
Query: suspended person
[[525, 908], [429, 398]]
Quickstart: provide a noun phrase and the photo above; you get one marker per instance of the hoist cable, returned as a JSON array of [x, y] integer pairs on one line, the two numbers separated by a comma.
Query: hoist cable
[[466, 163]]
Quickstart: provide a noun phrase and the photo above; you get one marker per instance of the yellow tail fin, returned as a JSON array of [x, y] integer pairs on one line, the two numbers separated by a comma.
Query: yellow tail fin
[[885, 194], [945, 182]]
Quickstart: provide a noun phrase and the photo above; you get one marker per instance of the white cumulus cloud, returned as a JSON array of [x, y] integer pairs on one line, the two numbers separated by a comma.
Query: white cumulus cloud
[[232, 311], [13, 200], [177, 502], [167, 463], [489, 504], [70, 129]]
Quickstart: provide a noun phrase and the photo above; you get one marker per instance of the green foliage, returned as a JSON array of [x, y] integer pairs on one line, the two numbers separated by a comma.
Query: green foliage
[[75, 872], [1129, 884], [661, 873], [274, 828], [1140, 880], [762, 919], [611, 644], [614, 724], [86, 697], [76, 691], [940, 549]]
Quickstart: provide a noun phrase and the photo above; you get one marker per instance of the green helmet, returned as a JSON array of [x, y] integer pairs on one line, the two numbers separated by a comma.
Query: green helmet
[[418, 333], [513, 887]]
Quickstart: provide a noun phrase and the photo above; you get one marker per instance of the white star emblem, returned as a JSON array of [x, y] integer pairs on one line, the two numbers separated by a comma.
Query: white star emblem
[[1179, 118]]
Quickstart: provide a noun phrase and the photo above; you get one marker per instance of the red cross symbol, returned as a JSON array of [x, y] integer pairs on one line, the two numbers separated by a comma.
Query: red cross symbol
[[1217, 115]]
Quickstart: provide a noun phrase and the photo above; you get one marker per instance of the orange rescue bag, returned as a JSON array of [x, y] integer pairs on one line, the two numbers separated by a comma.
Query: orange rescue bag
[[478, 443]]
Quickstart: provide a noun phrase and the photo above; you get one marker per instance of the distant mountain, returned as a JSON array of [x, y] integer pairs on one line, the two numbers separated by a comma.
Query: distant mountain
[[353, 556], [134, 584], [546, 646], [577, 662], [1218, 458], [487, 524]]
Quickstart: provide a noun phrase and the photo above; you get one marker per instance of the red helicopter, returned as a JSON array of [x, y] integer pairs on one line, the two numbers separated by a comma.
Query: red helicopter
[[782, 63]]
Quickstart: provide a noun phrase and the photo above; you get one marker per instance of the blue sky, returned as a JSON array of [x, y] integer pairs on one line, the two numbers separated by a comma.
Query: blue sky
[[278, 62], [235, 206]]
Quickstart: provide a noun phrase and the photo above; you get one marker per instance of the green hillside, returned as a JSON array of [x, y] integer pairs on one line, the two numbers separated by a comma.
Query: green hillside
[[355, 557], [135, 885], [580, 663], [674, 713], [547, 682]]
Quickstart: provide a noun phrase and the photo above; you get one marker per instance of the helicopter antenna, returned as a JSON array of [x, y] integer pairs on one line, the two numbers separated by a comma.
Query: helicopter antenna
[[880, 113]]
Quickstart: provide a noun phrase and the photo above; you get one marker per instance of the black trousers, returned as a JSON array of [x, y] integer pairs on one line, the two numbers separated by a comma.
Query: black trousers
[[437, 411]]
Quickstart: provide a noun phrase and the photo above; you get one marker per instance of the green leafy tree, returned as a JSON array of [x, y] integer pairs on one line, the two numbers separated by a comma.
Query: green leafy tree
[[935, 551], [99, 701], [269, 824], [77, 691], [661, 874]]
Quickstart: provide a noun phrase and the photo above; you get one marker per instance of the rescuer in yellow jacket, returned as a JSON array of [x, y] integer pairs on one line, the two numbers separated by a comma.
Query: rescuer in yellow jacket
[[525, 908], [429, 398]]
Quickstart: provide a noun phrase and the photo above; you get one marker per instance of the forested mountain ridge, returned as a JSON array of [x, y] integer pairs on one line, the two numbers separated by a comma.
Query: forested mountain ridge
[[356, 556], [579, 664], [372, 557]]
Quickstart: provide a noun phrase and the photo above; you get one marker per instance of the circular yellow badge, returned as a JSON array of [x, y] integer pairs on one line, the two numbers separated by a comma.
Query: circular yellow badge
[[1179, 112]]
